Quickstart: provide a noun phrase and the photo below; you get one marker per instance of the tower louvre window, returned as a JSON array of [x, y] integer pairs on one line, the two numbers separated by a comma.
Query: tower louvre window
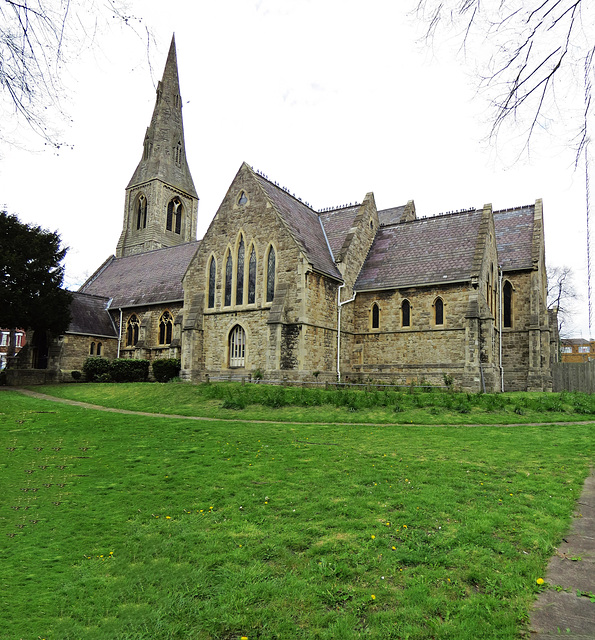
[[178, 153], [166, 324], [252, 277], [240, 274], [141, 212], [212, 276], [271, 275], [228, 277], [174, 215]]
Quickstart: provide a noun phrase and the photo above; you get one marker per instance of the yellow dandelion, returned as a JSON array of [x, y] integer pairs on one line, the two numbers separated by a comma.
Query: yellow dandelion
[[394, 548], [373, 597], [373, 536], [266, 502], [540, 580], [404, 526], [388, 524], [168, 517]]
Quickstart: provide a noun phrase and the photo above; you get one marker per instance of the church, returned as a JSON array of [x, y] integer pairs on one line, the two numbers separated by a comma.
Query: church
[[280, 291]]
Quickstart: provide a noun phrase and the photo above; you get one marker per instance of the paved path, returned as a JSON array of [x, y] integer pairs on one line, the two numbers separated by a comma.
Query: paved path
[[557, 613], [564, 614]]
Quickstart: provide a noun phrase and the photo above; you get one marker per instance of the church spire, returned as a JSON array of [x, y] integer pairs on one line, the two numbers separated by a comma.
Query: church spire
[[161, 202], [164, 153]]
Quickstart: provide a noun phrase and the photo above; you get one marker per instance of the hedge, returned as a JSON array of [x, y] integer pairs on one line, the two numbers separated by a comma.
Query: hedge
[[165, 369]]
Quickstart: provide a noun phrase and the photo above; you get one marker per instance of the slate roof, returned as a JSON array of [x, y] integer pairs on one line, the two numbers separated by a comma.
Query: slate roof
[[305, 226], [390, 216], [514, 237], [337, 224], [144, 278], [423, 251], [89, 316]]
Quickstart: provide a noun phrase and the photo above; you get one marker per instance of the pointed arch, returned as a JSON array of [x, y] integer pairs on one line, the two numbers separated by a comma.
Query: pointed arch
[[252, 276], [375, 316], [228, 278], [438, 311], [174, 215], [132, 330], [241, 259], [99, 348], [212, 277], [271, 268], [140, 211], [507, 304], [166, 326], [92, 349], [405, 313], [237, 346]]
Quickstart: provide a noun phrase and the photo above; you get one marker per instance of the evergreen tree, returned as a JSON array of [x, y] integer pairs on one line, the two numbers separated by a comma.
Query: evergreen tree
[[31, 277]]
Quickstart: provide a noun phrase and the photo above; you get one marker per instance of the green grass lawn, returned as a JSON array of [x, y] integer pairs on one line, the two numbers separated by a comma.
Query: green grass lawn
[[294, 404], [127, 527]]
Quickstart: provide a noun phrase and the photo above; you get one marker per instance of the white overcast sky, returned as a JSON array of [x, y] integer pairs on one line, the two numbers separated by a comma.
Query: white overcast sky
[[330, 98]]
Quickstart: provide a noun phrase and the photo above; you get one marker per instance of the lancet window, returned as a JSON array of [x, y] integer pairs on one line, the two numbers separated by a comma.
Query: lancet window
[[252, 277], [240, 274], [212, 276], [166, 325], [406, 313], [271, 275], [237, 347], [132, 331]]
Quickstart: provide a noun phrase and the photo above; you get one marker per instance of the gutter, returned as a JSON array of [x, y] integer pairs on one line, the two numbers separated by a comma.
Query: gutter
[[500, 332], [339, 306]]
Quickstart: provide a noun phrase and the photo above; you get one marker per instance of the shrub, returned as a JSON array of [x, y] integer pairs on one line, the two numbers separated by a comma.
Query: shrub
[[95, 367], [3, 381], [125, 370], [165, 369], [76, 375]]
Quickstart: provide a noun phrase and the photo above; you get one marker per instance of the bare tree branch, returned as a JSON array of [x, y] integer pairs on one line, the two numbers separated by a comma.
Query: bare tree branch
[[38, 38], [528, 52]]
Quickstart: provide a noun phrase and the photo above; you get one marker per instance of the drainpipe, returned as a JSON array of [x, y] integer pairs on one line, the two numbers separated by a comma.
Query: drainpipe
[[120, 333], [500, 333], [339, 306]]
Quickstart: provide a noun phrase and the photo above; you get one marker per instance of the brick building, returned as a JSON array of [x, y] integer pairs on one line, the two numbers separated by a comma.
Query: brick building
[[577, 350], [274, 286]]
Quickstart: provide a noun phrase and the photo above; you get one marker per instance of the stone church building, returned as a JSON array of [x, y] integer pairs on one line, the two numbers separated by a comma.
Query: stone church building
[[275, 287]]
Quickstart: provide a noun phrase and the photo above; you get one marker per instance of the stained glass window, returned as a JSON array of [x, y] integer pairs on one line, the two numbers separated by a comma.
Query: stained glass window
[[252, 278], [271, 275], [228, 276], [132, 330], [406, 313], [375, 316], [439, 311], [507, 311], [240, 274], [212, 275], [166, 324]]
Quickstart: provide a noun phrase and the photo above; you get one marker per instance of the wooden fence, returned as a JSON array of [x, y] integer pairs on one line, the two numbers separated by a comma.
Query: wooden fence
[[574, 376]]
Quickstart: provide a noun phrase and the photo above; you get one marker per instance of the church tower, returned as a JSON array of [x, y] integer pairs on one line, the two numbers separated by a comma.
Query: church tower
[[161, 203]]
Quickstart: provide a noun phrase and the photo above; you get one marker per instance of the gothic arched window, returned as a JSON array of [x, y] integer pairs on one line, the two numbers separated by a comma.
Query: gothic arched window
[[237, 347], [166, 325], [99, 345], [240, 274], [271, 275], [406, 313], [252, 277], [375, 316], [132, 330], [141, 212], [228, 278], [174, 215], [212, 276], [507, 304], [439, 311], [92, 349]]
